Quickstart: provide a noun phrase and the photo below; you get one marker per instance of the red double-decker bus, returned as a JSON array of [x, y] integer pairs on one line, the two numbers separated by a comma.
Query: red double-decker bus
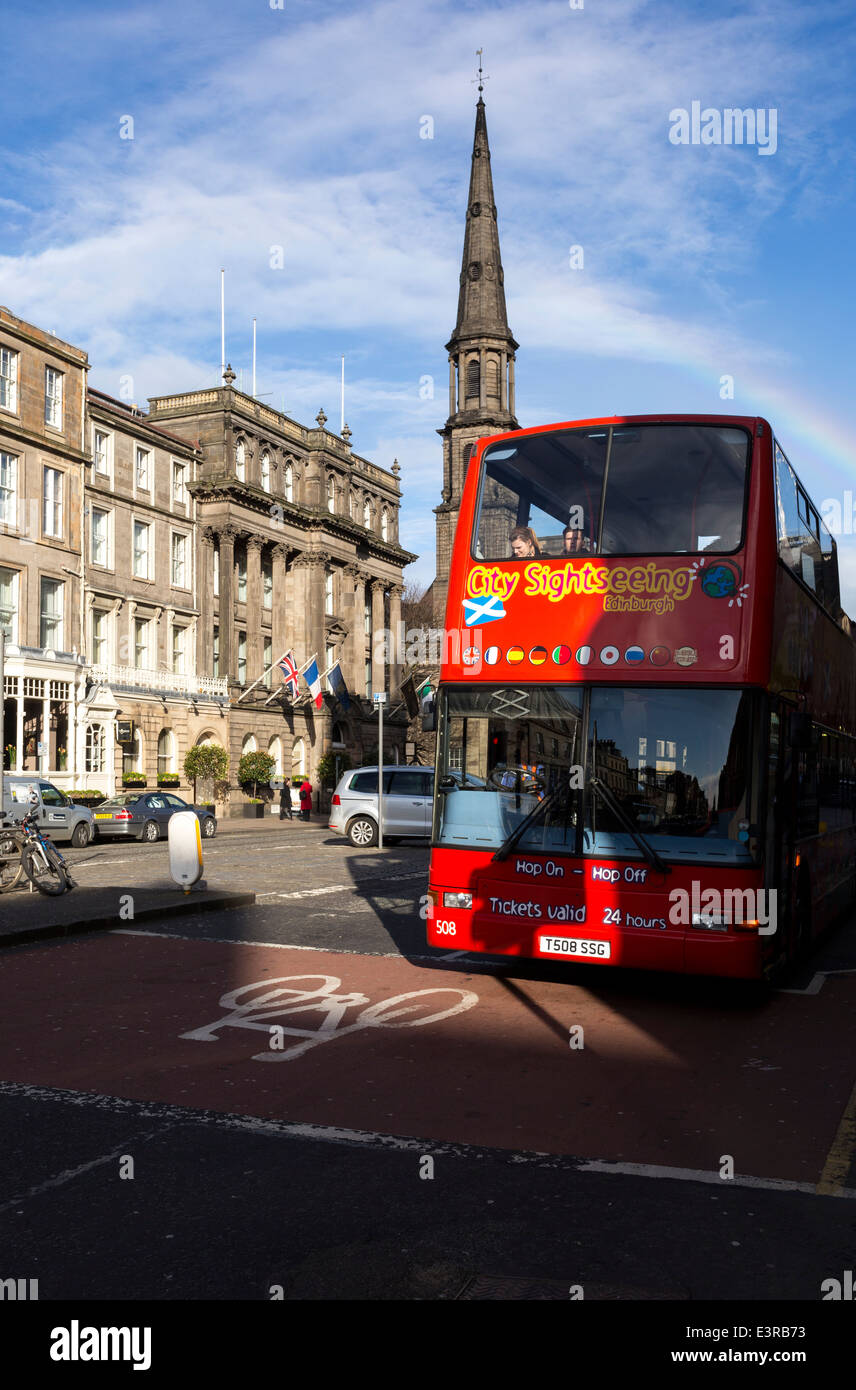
[[645, 721]]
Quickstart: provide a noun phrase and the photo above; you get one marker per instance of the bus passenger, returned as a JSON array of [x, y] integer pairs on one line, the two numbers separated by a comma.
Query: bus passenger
[[574, 540], [524, 543]]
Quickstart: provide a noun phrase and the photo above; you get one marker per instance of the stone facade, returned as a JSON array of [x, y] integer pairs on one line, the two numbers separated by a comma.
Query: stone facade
[[42, 463]]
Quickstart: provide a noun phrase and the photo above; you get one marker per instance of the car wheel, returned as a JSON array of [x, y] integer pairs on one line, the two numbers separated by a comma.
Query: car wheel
[[150, 832], [362, 832], [80, 836], [209, 827]]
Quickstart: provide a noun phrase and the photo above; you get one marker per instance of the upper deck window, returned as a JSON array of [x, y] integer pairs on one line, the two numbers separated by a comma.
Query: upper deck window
[[805, 544], [614, 490]]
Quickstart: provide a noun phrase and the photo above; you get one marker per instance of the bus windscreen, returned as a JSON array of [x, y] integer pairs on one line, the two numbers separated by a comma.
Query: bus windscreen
[[614, 490]]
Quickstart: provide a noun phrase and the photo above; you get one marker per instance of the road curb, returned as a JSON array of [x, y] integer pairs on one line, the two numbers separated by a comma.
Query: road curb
[[54, 929]]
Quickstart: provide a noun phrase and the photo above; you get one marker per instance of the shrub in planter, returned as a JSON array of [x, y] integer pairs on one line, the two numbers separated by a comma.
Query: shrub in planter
[[86, 798], [168, 779], [206, 762], [253, 807], [327, 768], [134, 779], [255, 768]]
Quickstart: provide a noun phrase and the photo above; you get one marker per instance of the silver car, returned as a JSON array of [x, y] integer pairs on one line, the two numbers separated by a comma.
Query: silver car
[[407, 798], [146, 816]]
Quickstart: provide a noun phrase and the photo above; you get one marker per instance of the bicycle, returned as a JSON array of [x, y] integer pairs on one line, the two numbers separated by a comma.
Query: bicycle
[[11, 868], [40, 859]]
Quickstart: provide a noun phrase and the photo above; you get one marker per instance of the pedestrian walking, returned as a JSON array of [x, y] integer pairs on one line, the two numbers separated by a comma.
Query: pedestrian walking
[[305, 799], [285, 802]]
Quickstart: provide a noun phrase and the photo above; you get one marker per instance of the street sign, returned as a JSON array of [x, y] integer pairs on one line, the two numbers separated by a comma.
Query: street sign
[[410, 750], [379, 697], [124, 731]]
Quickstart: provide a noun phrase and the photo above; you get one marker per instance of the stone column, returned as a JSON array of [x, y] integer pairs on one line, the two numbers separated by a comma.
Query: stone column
[[397, 630], [228, 645], [254, 608], [281, 635], [205, 601], [511, 384], [378, 644], [503, 379], [452, 401]]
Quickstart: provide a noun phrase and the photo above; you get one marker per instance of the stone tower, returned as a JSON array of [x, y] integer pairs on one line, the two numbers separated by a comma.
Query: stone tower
[[481, 354]]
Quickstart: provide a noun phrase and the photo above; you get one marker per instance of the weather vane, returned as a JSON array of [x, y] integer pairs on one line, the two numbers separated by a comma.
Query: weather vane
[[481, 79]]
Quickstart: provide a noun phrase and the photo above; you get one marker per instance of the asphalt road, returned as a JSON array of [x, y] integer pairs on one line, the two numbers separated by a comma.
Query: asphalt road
[[313, 1099]]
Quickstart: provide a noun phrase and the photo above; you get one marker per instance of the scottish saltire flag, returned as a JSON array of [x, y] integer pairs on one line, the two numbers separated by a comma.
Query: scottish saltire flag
[[288, 668], [339, 687], [482, 610], [313, 680]]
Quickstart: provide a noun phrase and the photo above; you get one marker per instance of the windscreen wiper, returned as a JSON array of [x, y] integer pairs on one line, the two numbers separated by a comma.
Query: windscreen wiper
[[508, 844], [619, 812]]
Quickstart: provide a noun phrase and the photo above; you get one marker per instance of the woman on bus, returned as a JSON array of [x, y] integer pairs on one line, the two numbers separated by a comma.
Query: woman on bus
[[524, 543]]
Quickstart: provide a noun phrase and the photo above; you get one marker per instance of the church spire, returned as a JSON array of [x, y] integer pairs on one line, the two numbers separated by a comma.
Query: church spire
[[481, 300]]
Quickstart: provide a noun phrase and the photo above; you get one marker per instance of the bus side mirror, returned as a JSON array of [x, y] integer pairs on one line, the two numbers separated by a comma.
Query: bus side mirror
[[429, 715], [801, 734]]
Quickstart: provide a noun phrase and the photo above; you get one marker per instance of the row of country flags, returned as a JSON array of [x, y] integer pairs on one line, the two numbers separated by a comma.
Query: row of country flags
[[291, 673]]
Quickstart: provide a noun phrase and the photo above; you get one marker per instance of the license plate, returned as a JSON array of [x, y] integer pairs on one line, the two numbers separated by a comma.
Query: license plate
[[575, 946], [104, 815]]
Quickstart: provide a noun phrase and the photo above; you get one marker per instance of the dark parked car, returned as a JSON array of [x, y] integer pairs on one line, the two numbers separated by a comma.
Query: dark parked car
[[145, 816]]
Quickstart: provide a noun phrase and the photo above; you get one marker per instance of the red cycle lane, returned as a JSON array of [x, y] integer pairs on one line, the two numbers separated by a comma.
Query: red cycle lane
[[379, 1044]]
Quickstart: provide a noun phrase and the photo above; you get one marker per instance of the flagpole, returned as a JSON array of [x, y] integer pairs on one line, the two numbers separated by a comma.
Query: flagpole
[[254, 359], [260, 679], [222, 324], [343, 396]]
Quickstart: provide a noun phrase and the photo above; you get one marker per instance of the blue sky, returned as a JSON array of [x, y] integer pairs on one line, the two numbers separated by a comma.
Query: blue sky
[[299, 127]]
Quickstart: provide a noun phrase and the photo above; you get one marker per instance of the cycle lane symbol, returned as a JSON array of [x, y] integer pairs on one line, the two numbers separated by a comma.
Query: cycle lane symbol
[[248, 1008]]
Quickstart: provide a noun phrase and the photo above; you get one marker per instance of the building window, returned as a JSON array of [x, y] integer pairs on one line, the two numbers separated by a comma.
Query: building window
[[9, 603], [367, 514], [456, 757], [142, 549], [179, 561], [143, 470], [8, 489], [132, 754], [331, 493], [95, 749], [216, 571], [100, 630], [267, 661], [289, 483], [368, 617], [249, 744], [101, 454], [384, 525], [8, 379], [241, 461], [242, 658], [265, 471], [179, 642], [100, 537], [52, 499], [141, 644], [50, 624], [179, 483], [53, 397], [215, 657], [166, 752], [329, 660], [473, 376], [241, 570], [267, 583], [298, 758], [328, 592], [275, 751], [369, 677]]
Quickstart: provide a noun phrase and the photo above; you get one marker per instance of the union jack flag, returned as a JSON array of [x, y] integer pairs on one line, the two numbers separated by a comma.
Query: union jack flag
[[288, 666]]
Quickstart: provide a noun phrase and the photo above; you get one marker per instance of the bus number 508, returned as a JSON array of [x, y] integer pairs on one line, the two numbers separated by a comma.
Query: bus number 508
[[446, 928]]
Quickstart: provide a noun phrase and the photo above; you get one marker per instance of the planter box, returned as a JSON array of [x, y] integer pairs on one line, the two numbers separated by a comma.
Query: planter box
[[253, 812]]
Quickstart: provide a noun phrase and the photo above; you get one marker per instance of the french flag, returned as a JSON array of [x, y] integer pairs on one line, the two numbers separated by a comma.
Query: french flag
[[313, 680]]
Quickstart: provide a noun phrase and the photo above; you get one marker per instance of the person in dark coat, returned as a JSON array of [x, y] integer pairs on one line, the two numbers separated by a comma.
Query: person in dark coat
[[305, 799], [285, 802]]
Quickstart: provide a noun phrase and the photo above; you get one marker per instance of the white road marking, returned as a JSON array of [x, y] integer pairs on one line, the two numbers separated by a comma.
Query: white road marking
[[817, 982], [372, 1139], [69, 1174]]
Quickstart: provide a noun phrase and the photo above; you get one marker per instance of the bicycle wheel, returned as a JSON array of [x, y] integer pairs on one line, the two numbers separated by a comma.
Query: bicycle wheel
[[44, 870], [11, 868]]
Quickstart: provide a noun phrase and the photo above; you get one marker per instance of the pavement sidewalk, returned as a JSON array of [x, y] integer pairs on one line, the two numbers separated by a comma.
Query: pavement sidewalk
[[32, 916]]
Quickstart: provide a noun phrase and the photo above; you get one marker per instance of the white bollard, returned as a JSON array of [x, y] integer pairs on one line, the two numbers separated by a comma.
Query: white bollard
[[185, 849]]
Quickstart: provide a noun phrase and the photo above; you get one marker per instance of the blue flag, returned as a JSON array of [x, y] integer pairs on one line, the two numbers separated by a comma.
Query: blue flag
[[339, 686]]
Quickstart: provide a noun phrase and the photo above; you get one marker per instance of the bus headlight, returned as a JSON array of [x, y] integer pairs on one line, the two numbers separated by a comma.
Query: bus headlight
[[457, 899], [710, 921]]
